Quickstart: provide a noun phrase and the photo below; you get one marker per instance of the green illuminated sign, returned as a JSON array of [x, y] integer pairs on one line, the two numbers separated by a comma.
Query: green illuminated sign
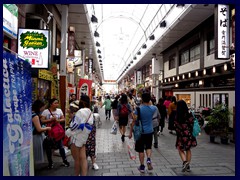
[[33, 40]]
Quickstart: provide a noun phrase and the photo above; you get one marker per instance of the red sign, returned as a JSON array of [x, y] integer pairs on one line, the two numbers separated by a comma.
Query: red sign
[[85, 86]]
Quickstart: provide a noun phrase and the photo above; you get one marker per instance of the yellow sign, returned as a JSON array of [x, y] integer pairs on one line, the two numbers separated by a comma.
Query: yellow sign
[[44, 74]]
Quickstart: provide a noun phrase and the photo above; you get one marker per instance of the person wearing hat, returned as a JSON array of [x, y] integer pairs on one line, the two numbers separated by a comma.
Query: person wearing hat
[[79, 130]]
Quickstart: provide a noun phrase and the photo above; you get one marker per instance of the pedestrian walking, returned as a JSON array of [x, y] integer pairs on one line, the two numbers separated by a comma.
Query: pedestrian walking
[[185, 140], [114, 107], [107, 104], [91, 146], [172, 114], [123, 111], [156, 121], [145, 141], [163, 113]]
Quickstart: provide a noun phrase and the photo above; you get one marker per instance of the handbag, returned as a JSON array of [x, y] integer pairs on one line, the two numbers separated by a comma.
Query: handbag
[[66, 141], [137, 128], [196, 127], [114, 128], [49, 142], [57, 132]]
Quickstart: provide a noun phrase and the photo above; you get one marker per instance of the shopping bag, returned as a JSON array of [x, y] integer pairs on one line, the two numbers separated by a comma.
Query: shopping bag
[[114, 128], [131, 149], [196, 127]]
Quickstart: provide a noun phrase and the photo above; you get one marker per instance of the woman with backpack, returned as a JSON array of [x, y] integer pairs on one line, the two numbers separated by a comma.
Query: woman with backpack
[[123, 111]]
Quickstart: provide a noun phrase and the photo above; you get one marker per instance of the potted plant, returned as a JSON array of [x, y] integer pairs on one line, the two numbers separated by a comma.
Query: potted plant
[[218, 123]]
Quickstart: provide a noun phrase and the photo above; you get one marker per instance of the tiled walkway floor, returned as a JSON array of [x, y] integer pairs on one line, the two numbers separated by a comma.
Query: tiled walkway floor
[[208, 159]]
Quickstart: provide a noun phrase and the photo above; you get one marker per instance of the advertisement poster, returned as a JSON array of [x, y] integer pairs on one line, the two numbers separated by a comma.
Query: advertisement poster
[[33, 46], [17, 116], [85, 87]]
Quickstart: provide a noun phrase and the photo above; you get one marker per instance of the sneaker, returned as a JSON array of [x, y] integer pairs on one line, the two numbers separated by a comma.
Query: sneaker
[[149, 165], [141, 168], [185, 166], [95, 166], [188, 169], [65, 163], [50, 166]]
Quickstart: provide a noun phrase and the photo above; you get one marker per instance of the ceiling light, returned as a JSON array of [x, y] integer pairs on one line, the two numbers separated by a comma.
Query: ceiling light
[[99, 56], [152, 37], [96, 34], [196, 73], [97, 44], [225, 67], [139, 53], [163, 24], [144, 46], [204, 71], [100, 60], [214, 69], [134, 58], [180, 5], [98, 51], [189, 75], [131, 62], [94, 19]]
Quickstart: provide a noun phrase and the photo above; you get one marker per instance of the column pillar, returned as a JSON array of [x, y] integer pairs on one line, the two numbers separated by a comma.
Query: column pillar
[[64, 30]]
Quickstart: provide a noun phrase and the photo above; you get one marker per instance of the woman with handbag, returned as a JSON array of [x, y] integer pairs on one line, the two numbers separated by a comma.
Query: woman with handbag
[[78, 131], [51, 116]]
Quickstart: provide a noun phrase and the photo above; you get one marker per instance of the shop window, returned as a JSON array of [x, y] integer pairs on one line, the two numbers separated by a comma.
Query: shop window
[[184, 57], [220, 99], [172, 62], [195, 53], [210, 43]]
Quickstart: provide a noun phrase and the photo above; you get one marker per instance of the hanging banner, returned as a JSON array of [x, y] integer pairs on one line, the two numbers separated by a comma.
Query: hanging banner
[[85, 87], [17, 116]]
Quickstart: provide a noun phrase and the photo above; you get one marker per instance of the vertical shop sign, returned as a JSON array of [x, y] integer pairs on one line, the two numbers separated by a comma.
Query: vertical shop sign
[[17, 116], [85, 87], [33, 45], [10, 19], [71, 43], [222, 32]]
